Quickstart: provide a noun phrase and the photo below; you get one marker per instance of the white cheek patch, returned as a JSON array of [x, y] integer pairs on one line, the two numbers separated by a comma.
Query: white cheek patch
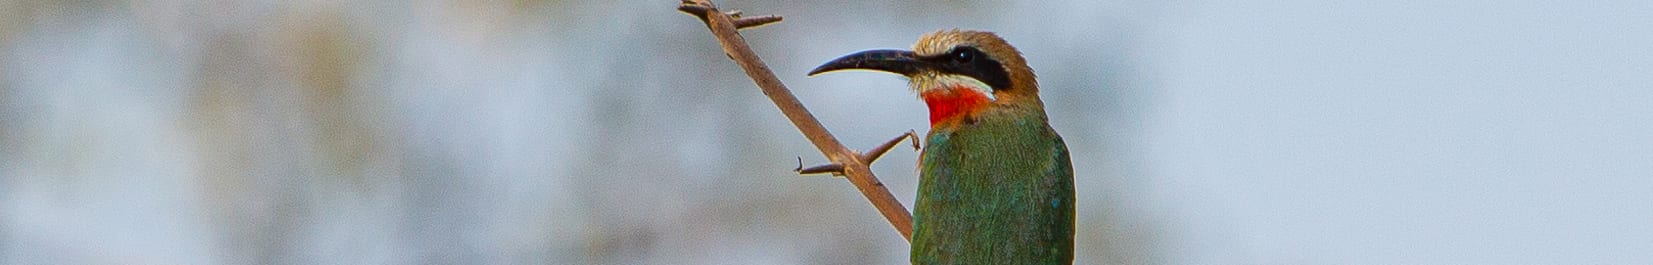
[[935, 81]]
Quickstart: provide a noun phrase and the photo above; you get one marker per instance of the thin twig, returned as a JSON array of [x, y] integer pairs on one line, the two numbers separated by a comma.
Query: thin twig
[[853, 165], [878, 151], [752, 22]]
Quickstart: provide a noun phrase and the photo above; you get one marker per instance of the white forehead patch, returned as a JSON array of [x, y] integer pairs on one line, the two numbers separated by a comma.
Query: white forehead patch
[[938, 42]]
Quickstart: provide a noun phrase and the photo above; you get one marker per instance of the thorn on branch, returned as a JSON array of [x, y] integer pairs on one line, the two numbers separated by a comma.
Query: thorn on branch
[[914, 134], [835, 169]]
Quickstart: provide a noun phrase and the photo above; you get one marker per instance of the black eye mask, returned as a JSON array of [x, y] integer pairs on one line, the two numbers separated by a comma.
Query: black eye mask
[[969, 61]]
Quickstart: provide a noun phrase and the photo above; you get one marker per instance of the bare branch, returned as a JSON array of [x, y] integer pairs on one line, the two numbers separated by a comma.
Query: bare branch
[[850, 163]]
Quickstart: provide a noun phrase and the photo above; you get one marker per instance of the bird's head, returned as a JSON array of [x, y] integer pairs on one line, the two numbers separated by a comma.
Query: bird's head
[[957, 73]]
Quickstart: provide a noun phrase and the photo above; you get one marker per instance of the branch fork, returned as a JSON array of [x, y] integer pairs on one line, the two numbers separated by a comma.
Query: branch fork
[[868, 157]]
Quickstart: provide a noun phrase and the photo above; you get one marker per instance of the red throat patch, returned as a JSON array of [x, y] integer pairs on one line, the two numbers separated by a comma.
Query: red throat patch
[[952, 103]]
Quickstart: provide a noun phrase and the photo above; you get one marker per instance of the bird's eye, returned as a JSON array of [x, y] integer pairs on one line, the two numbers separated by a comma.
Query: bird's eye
[[963, 56]]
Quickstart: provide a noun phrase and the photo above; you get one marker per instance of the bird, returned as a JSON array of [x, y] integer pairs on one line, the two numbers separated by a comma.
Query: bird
[[995, 180]]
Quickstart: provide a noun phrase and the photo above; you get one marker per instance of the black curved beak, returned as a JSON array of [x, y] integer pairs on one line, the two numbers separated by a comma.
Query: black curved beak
[[894, 61]]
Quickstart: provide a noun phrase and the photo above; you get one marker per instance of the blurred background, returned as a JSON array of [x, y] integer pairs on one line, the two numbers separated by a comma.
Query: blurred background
[[615, 132]]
